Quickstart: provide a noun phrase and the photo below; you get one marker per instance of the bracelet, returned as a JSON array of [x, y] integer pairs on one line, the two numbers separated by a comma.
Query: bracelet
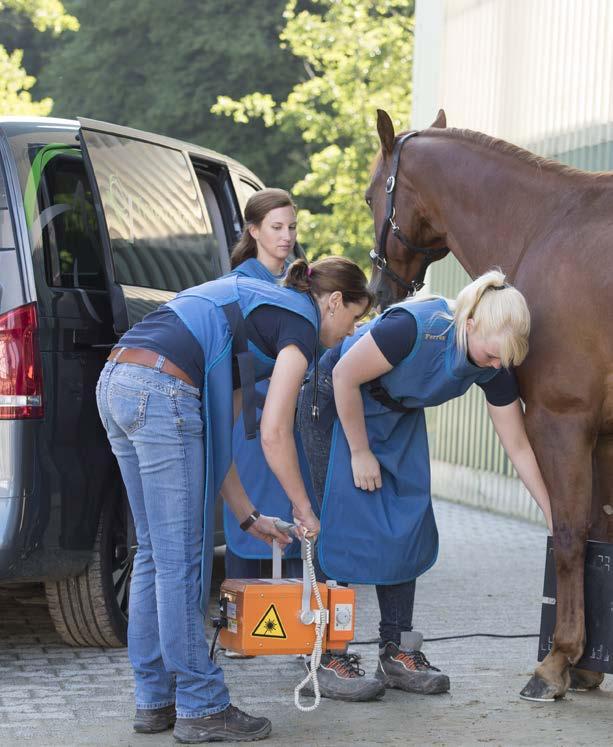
[[251, 519]]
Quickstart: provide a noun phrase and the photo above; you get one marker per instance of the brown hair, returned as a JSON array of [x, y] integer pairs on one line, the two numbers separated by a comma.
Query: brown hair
[[258, 205], [328, 275]]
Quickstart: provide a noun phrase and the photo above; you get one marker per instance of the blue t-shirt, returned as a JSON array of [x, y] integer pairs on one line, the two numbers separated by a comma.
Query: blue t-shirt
[[270, 328], [395, 336]]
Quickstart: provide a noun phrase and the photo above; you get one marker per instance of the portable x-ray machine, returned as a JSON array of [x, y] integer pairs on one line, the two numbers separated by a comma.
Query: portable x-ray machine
[[273, 616]]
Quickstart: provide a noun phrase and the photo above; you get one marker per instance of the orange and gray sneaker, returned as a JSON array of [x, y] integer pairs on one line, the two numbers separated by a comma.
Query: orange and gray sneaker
[[406, 668], [341, 678]]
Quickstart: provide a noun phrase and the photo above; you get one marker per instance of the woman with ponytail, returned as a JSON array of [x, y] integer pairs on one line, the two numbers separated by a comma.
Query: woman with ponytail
[[263, 251], [269, 236], [371, 470], [167, 397]]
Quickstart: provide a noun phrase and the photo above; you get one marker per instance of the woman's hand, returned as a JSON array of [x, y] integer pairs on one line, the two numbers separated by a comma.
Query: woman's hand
[[264, 528], [308, 521], [366, 470]]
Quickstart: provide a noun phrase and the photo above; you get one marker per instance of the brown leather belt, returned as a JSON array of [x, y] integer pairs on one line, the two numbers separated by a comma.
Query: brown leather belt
[[148, 359]]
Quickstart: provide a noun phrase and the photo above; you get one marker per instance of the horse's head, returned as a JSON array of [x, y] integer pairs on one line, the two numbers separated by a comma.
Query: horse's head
[[406, 243]]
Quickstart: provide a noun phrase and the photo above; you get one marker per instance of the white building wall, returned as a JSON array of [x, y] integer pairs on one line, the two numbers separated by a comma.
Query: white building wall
[[537, 73]]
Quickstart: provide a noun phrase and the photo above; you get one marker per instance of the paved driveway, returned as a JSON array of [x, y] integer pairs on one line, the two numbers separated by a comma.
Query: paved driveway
[[488, 579]]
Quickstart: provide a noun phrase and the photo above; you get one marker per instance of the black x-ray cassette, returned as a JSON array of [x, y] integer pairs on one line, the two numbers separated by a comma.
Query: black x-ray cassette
[[598, 652]]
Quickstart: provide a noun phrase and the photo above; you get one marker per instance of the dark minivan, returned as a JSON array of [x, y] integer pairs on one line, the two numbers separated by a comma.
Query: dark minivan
[[99, 224]]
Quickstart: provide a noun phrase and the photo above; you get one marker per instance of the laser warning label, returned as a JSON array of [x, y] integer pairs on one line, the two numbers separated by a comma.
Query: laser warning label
[[270, 626]]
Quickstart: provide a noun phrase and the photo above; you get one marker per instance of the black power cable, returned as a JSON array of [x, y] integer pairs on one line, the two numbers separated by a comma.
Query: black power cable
[[372, 641], [218, 624]]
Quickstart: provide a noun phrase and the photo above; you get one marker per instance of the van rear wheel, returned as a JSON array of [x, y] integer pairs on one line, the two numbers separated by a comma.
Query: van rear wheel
[[91, 609]]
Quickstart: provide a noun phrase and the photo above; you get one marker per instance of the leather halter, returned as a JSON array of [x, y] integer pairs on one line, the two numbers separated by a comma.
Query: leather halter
[[378, 256]]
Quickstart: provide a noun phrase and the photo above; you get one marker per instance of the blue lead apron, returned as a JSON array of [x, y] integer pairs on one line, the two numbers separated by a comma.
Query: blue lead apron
[[389, 536], [203, 310], [259, 481]]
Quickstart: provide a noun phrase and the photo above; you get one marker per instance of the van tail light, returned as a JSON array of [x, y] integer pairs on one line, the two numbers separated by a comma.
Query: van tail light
[[21, 376]]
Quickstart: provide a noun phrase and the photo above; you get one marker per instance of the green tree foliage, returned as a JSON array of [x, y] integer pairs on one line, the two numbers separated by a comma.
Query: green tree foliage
[[160, 66], [358, 54], [15, 83]]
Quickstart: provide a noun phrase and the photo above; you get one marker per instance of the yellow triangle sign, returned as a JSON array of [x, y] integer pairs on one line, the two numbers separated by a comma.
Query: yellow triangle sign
[[270, 626]]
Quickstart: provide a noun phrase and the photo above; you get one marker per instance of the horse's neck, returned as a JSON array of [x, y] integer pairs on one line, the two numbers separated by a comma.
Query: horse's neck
[[488, 204]]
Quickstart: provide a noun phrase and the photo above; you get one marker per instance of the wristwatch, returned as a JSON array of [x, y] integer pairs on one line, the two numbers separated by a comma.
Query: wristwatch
[[251, 519]]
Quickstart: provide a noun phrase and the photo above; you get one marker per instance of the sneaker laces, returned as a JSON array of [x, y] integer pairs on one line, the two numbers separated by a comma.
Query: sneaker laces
[[234, 713], [346, 665], [414, 660]]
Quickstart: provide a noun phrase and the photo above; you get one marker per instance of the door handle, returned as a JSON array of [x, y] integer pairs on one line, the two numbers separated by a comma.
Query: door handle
[[88, 338]]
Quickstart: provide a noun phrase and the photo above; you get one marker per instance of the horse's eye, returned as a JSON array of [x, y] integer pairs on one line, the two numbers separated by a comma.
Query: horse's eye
[[368, 201]]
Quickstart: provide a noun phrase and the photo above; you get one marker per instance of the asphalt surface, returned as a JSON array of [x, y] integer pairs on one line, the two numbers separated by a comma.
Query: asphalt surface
[[488, 579]]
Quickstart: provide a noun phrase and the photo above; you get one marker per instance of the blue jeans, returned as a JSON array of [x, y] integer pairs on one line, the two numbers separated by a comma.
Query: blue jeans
[[154, 424], [395, 601]]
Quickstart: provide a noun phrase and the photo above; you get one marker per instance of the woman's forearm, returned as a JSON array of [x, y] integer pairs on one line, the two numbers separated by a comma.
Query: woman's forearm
[[509, 424], [277, 428], [361, 363], [529, 473], [233, 493], [350, 409], [279, 447]]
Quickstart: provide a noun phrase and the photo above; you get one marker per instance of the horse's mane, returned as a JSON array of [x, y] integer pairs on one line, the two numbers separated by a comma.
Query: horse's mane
[[501, 146], [505, 148]]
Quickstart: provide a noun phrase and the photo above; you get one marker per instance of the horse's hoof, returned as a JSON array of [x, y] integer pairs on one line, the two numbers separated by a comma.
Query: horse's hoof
[[539, 690], [582, 680]]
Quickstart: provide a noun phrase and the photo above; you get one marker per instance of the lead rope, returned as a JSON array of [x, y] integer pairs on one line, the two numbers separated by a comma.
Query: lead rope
[[321, 618]]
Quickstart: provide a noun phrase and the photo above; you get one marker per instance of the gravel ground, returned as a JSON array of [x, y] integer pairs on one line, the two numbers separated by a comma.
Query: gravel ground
[[488, 579]]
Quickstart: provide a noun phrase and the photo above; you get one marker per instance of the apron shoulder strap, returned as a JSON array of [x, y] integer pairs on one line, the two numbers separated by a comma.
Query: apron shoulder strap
[[379, 393], [246, 365]]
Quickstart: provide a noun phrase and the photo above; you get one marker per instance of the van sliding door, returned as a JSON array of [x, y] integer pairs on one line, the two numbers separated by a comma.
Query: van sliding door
[[159, 238]]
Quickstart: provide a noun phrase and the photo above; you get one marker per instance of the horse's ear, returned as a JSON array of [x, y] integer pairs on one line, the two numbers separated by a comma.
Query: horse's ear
[[385, 128], [441, 120]]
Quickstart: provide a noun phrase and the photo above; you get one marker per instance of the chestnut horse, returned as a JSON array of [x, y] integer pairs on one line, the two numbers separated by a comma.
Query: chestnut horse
[[550, 229]]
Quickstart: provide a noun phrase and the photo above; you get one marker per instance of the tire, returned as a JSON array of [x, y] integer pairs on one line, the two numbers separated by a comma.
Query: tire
[[91, 609]]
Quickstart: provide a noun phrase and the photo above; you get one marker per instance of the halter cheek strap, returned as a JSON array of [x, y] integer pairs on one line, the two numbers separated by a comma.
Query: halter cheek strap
[[379, 255]]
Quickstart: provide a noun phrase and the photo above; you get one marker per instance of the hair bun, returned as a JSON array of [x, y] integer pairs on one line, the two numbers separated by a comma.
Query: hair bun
[[297, 276]]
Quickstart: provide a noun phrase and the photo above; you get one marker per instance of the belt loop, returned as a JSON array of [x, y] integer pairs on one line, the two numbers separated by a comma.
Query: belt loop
[[159, 363], [115, 358]]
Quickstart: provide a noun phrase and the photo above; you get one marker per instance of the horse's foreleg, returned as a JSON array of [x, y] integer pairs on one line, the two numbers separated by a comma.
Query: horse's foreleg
[[564, 449]]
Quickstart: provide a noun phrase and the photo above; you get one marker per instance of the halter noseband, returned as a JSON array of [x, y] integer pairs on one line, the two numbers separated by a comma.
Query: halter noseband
[[379, 258]]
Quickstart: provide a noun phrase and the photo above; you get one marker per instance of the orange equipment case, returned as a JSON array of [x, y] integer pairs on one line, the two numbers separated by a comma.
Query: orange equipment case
[[263, 616]]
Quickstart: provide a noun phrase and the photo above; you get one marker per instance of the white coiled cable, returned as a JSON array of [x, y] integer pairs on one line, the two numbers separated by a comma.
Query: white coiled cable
[[321, 619]]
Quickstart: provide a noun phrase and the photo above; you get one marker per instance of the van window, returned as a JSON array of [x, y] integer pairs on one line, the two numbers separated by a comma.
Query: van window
[[71, 242], [7, 238], [160, 236], [215, 219], [246, 190]]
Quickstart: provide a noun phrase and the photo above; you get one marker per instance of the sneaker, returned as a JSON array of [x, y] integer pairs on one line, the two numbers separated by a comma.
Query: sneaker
[[154, 720], [230, 725], [341, 678], [409, 670]]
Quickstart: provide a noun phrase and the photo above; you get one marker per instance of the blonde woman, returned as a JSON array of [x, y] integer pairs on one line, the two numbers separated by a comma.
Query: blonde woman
[[371, 468]]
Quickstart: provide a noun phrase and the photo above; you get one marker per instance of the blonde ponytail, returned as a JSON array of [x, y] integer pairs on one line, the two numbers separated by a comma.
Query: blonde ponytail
[[497, 309]]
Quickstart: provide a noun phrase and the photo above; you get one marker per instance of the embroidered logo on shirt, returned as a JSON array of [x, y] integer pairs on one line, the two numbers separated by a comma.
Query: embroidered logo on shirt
[[437, 338]]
